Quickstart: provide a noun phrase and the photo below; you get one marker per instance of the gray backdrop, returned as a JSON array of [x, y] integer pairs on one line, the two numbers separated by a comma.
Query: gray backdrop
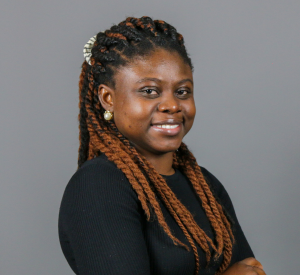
[[246, 57]]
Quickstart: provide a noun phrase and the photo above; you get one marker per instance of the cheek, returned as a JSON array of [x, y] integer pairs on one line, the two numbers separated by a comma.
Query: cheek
[[130, 116], [128, 106], [190, 110], [190, 115], [134, 110]]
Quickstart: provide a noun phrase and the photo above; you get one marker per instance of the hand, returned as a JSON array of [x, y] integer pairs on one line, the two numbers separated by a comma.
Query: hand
[[249, 266]]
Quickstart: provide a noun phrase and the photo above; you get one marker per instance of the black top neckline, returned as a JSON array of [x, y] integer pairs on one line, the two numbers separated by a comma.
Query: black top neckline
[[172, 177]]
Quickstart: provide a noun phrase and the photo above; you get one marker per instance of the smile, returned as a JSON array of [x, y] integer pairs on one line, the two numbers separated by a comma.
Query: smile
[[168, 126], [167, 129]]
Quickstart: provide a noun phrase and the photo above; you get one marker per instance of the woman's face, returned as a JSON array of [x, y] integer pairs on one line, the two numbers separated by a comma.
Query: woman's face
[[153, 102]]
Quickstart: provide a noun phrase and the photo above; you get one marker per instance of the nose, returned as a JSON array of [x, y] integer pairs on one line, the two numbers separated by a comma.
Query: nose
[[169, 104]]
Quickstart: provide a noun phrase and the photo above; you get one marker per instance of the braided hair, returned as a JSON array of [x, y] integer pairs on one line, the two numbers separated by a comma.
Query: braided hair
[[116, 47]]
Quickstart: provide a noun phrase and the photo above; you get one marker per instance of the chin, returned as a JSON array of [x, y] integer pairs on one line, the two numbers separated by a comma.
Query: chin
[[167, 148]]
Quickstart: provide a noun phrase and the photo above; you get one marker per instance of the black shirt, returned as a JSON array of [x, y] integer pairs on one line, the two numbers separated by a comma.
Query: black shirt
[[103, 228]]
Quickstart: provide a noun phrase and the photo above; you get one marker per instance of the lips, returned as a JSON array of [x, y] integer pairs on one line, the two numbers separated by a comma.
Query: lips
[[170, 127]]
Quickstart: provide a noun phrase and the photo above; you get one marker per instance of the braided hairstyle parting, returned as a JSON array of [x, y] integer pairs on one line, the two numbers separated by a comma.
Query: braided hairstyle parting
[[116, 47]]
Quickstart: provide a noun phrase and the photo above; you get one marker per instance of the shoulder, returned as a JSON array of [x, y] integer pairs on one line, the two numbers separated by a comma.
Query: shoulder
[[217, 188], [212, 181], [99, 168], [97, 173], [98, 181]]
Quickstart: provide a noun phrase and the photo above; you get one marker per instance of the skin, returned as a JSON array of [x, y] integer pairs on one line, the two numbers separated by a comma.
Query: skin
[[148, 92], [249, 266], [155, 90]]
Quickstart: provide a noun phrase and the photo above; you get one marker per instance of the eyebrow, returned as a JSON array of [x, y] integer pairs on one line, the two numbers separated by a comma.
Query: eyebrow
[[159, 81], [148, 79], [186, 80]]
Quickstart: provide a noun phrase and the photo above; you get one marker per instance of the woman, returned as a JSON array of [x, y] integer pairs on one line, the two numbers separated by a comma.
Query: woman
[[139, 203]]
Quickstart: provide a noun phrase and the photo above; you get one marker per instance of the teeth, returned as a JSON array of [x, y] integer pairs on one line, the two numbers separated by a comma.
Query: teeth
[[168, 126]]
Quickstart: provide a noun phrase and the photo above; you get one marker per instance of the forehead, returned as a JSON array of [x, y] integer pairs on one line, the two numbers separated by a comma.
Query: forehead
[[161, 64]]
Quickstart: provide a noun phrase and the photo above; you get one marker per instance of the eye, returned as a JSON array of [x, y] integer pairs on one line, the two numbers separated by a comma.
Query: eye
[[150, 91], [183, 92]]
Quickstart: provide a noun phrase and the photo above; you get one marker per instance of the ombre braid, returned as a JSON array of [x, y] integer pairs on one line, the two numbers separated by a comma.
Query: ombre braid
[[112, 49]]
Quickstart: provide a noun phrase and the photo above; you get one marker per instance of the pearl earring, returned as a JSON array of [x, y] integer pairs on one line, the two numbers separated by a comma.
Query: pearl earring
[[108, 115]]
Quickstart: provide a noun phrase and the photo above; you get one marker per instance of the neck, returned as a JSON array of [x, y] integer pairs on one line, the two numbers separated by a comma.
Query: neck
[[163, 163]]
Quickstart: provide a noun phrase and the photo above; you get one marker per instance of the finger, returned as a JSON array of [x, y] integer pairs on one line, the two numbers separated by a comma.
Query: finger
[[258, 264], [253, 262], [249, 261], [259, 271]]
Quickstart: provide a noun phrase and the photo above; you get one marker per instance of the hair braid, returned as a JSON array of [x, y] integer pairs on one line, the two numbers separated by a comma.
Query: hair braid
[[213, 218], [223, 224], [182, 216], [83, 130], [191, 224], [112, 49], [208, 202]]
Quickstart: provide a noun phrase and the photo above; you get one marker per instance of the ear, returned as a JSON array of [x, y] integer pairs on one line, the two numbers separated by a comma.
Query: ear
[[106, 97]]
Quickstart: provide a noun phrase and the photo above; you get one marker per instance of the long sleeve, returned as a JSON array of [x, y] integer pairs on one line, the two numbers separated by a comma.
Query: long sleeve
[[100, 223]]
